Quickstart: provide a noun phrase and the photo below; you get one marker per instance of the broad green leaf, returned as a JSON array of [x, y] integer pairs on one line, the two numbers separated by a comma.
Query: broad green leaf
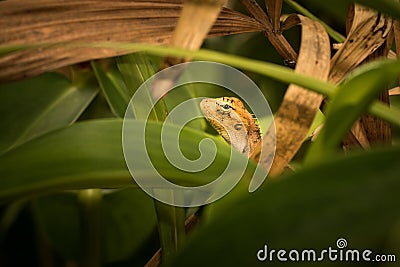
[[116, 94], [127, 222], [354, 197], [180, 95], [135, 69], [84, 155], [352, 99], [89, 155], [35, 106], [130, 220]]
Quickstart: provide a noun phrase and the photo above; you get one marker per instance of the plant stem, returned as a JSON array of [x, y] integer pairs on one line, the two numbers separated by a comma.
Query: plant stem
[[171, 226], [90, 203]]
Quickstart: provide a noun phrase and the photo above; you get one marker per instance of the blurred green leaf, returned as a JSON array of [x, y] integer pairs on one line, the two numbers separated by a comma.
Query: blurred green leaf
[[116, 94], [89, 155], [58, 216], [352, 98], [352, 197], [35, 106], [135, 69], [127, 221], [178, 96], [85, 155], [130, 220]]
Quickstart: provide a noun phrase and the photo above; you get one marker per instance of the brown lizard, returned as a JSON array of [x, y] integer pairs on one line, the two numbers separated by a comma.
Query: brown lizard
[[233, 122]]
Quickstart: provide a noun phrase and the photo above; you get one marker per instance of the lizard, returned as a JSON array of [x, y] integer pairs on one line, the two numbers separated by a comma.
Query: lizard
[[233, 122]]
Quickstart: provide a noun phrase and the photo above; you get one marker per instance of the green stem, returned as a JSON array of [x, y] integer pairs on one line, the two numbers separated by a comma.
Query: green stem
[[279, 73], [9, 216], [171, 227], [381, 110], [90, 203], [44, 252], [274, 71]]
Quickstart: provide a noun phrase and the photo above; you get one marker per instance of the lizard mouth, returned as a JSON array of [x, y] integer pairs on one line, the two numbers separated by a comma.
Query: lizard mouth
[[216, 124]]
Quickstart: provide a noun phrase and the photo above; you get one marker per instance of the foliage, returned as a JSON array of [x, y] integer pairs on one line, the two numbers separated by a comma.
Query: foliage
[[60, 143]]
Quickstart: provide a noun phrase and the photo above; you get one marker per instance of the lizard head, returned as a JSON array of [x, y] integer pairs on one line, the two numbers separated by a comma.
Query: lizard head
[[230, 118]]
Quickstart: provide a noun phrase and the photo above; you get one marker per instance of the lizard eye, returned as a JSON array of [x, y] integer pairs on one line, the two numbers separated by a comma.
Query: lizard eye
[[238, 126], [226, 106]]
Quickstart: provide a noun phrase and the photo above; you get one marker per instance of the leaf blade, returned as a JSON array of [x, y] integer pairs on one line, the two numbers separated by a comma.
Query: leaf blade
[[316, 210], [89, 155], [351, 99], [24, 116]]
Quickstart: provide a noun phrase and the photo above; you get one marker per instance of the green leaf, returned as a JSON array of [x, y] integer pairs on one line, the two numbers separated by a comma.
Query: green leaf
[[38, 105], [127, 221], [51, 213], [352, 98], [135, 69], [84, 155], [276, 72], [116, 94], [354, 197], [89, 155], [185, 93], [130, 220], [279, 73]]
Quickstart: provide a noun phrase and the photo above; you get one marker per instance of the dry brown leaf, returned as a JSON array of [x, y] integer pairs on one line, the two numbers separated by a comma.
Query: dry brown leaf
[[396, 31], [368, 31], [299, 106], [196, 20], [377, 130], [194, 23], [57, 21], [394, 91], [279, 42], [274, 8]]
